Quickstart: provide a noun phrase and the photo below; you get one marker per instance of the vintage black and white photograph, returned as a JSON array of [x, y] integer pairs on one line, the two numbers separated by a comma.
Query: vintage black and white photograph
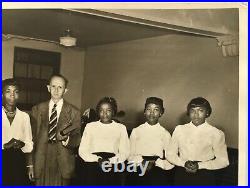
[[124, 94]]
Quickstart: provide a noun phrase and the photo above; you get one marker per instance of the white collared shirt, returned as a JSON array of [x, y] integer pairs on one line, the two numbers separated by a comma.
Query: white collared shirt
[[203, 143], [59, 105], [99, 137], [19, 129], [149, 140]]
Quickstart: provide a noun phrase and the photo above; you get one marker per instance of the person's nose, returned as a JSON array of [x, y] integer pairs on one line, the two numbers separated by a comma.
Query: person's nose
[[12, 94], [151, 112], [105, 113], [196, 114]]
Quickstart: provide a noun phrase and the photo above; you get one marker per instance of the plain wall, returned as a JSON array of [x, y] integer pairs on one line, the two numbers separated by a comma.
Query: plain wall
[[176, 68], [71, 66]]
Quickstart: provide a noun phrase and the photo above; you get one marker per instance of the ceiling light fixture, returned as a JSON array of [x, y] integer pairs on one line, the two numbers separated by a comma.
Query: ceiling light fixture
[[67, 40]]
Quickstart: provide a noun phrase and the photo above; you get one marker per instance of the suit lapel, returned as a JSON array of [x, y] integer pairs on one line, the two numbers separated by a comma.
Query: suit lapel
[[65, 116], [45, 114]]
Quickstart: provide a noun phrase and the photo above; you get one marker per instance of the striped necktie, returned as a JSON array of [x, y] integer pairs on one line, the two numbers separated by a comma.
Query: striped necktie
[[52, 124]]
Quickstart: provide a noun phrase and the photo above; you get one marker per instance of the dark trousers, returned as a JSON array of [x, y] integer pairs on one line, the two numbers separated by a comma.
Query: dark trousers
[[201, 177], [14, 167], [155, 176], [92, 174]]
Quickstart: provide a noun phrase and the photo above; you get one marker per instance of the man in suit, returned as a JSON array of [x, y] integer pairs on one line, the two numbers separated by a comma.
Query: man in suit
[[53, 156]]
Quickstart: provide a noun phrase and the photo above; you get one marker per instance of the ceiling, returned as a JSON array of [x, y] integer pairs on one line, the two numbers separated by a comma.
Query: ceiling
[[221, 20], [50, 24], [97, 27]]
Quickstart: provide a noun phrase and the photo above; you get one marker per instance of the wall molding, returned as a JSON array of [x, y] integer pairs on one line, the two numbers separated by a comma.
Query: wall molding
[[229, 45]]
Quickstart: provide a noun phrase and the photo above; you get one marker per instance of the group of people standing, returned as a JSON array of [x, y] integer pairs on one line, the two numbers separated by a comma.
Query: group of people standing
[[45, 144]]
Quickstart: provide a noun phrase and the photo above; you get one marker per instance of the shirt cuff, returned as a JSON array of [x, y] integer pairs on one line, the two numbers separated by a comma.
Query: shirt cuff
[[65, 143], [182, 163], [113, 160], [164, 164], [201, 165], [28, 147]]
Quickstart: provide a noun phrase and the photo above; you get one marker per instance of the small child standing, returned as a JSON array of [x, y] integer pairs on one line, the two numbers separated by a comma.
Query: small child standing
[[197, 148], [148, 143], [104, 141]]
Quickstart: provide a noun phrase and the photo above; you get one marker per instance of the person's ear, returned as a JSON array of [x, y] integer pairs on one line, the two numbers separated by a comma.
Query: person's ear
[[48, 86], [66, 90]]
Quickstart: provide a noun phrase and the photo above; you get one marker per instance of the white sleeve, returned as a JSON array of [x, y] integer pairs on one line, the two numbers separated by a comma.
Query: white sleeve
[[28, 147], [173, 149], [220, 153], [84, 148], [133, 157], [123, 151], [165, 164]]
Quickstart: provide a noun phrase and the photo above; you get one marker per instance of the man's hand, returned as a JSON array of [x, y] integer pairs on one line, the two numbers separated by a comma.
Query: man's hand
[[31, 173], [60, 137]]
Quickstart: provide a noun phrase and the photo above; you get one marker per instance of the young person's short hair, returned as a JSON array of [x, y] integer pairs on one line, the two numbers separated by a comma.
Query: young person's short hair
[[61, 76], [155, 100], [109, 100], [10, 82], [199, 102]]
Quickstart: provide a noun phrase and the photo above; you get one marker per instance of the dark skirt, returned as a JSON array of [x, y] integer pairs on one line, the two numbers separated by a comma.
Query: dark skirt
[[92, 174], [201, 177], [155, 176], [79, 172], [14, 167]]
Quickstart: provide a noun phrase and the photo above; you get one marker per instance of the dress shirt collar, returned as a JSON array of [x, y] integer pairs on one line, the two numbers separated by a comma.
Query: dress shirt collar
[[200, 126], [155, 125], [105, 124], [4, 114], [58, 104]]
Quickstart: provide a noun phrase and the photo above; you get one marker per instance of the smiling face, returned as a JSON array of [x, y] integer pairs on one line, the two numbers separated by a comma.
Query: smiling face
[[198, 115], [10, 95], [57, 88], [152, 113], [105, 113]]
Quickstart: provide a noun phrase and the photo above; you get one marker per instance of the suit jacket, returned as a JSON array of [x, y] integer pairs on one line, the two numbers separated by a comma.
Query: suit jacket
[[40, 127]]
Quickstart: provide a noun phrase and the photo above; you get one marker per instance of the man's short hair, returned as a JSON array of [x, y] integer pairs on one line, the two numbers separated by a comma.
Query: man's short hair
[[61, 76]]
